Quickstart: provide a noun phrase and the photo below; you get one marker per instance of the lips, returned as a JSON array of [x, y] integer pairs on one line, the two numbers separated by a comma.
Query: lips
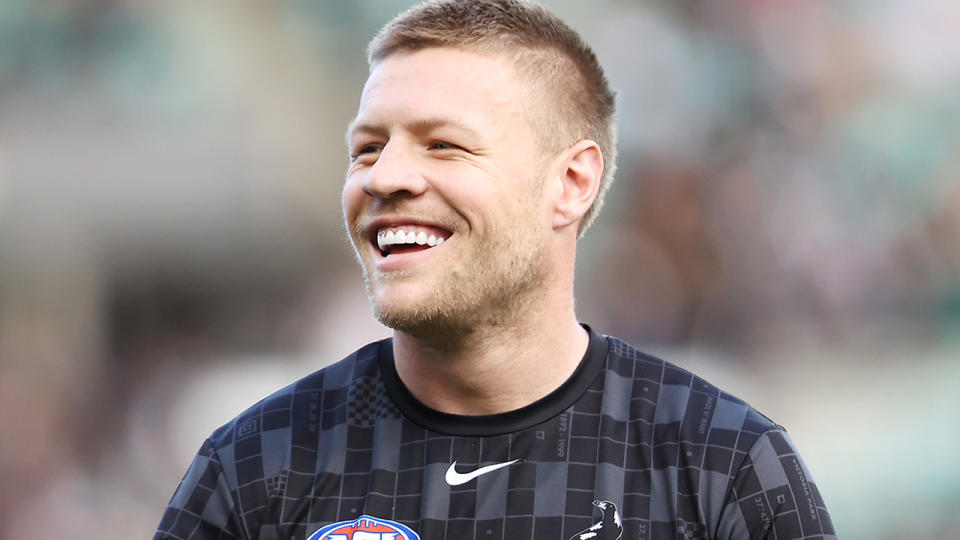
[[395, 239]]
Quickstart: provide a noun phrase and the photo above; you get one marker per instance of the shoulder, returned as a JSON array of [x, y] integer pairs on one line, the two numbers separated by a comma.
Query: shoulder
[[703, 446], [309, 399], [681, 406]]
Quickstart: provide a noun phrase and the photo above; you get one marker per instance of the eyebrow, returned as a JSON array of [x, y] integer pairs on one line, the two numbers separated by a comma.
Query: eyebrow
[[417, 126]]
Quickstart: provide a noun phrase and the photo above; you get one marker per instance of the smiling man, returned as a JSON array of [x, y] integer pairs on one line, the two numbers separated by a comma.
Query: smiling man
[[437, 152], [480, 152]]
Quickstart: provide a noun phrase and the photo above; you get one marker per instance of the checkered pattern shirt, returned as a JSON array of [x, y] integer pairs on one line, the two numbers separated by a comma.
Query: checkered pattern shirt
[[630, 447]]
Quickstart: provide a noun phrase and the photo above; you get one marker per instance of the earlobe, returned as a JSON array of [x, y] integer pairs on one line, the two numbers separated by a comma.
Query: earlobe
[[580, 181]]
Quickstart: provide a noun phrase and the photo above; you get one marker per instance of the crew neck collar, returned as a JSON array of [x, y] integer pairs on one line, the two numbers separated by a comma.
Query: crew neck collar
[[537, 412]]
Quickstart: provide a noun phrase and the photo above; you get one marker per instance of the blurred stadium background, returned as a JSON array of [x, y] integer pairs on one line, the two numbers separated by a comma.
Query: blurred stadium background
[[785, 221]]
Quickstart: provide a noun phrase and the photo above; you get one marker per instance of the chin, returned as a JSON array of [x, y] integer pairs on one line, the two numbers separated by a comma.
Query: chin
[[397, 306], [414, 320], [425, 318]]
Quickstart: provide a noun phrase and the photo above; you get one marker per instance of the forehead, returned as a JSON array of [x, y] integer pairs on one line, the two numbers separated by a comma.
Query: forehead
[[478, 90]]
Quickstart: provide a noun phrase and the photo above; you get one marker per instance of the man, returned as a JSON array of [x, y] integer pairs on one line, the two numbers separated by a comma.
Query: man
[[480, 152]]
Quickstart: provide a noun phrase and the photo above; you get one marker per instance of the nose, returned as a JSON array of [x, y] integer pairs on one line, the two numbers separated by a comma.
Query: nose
[[395, 173]]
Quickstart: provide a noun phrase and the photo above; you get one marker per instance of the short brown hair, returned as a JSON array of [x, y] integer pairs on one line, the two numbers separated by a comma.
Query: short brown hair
[[545, 49]]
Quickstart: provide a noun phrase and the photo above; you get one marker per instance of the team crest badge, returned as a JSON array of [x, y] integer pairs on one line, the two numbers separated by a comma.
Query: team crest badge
[[365, 528]]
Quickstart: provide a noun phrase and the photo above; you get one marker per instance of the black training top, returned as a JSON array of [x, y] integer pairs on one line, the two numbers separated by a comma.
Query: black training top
[[629, 447]]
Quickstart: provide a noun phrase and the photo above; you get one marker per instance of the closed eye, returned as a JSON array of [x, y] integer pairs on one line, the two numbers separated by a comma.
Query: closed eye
[[444, 145], [365, 150]]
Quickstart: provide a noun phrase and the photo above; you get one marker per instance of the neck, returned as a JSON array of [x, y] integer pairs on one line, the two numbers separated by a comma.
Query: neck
[[496, 368]]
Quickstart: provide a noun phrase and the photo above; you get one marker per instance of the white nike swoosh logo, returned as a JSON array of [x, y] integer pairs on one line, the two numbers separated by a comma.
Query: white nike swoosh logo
[[455, 479]]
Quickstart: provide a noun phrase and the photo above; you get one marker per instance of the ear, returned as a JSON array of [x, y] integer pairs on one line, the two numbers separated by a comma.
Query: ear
[[580, 175]]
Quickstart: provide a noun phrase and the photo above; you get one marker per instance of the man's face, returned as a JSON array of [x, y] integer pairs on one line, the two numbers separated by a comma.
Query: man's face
[[443, 198]]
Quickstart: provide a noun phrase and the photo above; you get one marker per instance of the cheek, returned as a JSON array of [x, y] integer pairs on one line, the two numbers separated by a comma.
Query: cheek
[[351, 198]]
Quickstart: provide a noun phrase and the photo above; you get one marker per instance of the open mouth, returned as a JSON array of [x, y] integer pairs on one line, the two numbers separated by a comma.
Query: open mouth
[[409, 238]]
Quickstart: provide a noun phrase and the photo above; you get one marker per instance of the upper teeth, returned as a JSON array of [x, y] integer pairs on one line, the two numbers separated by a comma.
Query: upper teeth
[[399, 236]]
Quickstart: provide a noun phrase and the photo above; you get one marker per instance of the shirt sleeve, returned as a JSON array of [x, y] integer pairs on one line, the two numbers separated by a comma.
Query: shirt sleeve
[[772, 495], [203, 506]]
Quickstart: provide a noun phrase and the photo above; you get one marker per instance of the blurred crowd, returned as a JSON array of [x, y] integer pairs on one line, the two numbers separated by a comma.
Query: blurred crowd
[[786, 214]]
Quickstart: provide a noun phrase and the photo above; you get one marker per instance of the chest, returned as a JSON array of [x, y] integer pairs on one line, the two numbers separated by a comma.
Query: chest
[[554, 481]]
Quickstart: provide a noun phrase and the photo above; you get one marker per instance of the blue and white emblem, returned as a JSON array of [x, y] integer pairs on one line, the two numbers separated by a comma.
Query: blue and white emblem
[[365, 528]]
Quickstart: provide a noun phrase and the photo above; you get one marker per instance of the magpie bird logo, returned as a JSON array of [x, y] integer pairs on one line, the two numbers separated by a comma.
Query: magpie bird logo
[[610, 527]]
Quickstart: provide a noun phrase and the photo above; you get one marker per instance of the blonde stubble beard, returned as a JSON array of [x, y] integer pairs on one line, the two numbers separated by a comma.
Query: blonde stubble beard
[[492, 293], [465, 303]]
